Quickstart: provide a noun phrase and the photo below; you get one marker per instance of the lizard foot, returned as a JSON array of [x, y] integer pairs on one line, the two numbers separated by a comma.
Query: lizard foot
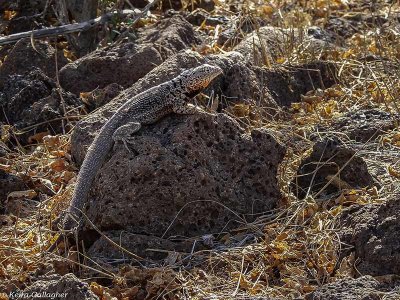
[[124, 133]]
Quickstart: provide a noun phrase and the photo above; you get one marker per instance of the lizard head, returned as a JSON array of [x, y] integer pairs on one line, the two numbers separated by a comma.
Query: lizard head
[[196, 79]]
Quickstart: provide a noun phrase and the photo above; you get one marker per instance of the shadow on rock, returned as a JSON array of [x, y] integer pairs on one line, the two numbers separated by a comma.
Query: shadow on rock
[[331, 157]]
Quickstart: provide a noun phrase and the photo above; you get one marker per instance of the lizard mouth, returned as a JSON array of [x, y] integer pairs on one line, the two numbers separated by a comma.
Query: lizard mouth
[[200, 77], [209, 73]]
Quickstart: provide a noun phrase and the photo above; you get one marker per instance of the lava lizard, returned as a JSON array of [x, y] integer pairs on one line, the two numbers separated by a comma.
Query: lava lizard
[[143, 109]]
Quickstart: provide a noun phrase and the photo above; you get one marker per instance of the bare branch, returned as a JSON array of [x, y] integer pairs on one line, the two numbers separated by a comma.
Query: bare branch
[[64, 29]]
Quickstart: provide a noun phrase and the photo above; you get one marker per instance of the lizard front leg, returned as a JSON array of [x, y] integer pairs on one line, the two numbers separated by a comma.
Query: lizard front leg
[[124, 132], [184, 108]]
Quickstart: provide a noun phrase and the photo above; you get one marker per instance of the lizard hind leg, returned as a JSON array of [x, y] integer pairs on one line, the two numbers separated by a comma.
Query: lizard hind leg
[[124, 132]]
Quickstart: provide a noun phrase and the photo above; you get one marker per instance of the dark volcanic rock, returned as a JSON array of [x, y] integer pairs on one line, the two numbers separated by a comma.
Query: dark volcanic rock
[[189, 167], [366, 288], [178, 4], [198, 16], [23, 58], [170, 36], [287, 84], [374, 231], [270, 88], [276, 87], [122, 64], [31, 99], [329, 155], [364, 125], [9, 183], [67, 287], [28, 15], [99, 97], [125, 63], [3, 147], [349, 24]]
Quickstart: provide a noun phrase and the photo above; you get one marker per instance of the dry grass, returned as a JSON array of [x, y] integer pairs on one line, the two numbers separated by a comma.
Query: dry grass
[[294, 249]]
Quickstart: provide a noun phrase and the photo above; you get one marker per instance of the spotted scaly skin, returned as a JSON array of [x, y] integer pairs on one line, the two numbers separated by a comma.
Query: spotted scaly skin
[[145, 108]]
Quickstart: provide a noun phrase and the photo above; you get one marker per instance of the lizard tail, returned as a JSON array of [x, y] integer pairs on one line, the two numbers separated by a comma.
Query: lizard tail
[[93, 161]]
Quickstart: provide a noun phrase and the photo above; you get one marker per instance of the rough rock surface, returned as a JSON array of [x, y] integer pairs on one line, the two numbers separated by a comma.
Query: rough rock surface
[[365, 287], [99, 97], [269, 88], [9, 183], [328, 156], [27, 15], [127, 62], [347, 25], [68, 284], [198, 16], [189, 167], [3, 147], [86, 129], [364, 125], [23, 58], [286, 85], [31, 99], [374, 231]]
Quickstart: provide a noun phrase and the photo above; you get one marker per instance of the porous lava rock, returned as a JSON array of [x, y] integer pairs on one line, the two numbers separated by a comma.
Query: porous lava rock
[[3, 147], [374, 231], [364, 125], [67, 287], [33, 99], [350, 24], [99, 97], [126, 62], [329, 155], [86, 129], [9, 183], [29, 15], [271, 88], [23, 58], [186, 176], [123, 64], [365, 287], [287, 84]]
